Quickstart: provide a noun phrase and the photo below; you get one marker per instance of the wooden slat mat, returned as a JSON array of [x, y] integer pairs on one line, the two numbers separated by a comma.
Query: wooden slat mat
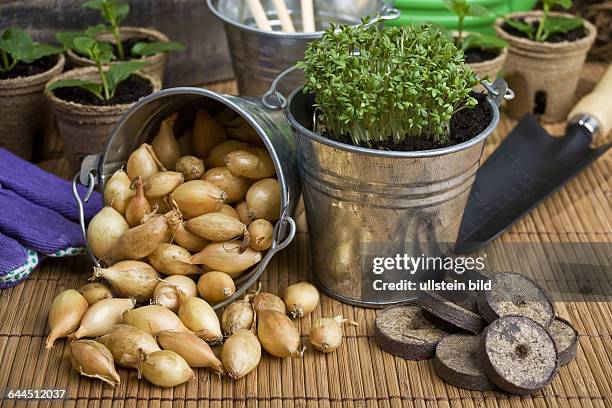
[[358, 374]]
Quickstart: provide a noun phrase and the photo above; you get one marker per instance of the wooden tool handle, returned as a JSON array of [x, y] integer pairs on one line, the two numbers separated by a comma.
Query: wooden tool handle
[[598, 104], [308, 21], [259, 14], [283, 15]]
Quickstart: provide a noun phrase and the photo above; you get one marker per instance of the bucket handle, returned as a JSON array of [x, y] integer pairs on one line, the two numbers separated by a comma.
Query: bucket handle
[[284, 232], [498, 91], [87, 178]]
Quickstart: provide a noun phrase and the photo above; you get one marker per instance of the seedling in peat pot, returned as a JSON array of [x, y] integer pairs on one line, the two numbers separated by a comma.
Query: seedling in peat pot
[[548, 25], [109, 79], [16, 46], [462, 9]]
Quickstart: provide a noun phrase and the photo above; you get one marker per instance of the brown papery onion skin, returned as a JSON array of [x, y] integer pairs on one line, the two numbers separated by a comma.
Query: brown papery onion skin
[[266, 301], [261, 233], [263, 200], [236, 187], [143, 163], [206, 134], [216, 227], [237, 315], [196, 352], [198, 197], [154, 319], [200, 318], [216, 158], [254, 163], [163, 183], [188, 240], [229, 257], [117, 191], [125, 342], [241, 353], [165, 145], [166, 369], [243, 213], [278, 335], [301, 299], [104, 230], [92, 359], [191, 167], [326, 334], [100, 318], [65, 315], [229, 210], [131, 279], [138, 206], [171, 259], [166, 294], [95, 291], [215, 287]]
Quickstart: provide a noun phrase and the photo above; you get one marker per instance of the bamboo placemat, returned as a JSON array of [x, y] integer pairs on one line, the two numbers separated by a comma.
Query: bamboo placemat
[[358, 374]]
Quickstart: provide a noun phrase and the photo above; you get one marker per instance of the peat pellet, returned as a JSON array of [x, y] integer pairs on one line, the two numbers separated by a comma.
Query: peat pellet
[[565, 337], [518, 355], [515, 294], [440, 323], [404, 332], [450, 312], [458, 362]]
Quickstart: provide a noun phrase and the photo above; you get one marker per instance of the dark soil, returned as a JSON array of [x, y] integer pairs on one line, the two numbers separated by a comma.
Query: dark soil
[[465, 125], [474, 55], [134, 88], [573, 35], [37, 67]]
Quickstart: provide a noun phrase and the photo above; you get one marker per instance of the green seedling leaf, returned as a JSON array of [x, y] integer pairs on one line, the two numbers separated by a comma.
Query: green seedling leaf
[[17, 44], [556, 25], [121, 71], [525, 28], [111, 10], [487, 42], [66, 38], [90, 86], [93, 31], [144, 48], [97, 51]]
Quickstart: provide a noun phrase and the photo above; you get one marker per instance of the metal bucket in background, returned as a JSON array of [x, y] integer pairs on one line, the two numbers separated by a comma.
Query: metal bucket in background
[[141, 124], [363, 203], [258, 56]]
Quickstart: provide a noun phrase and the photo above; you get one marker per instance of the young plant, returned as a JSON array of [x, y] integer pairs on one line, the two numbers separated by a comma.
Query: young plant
[[462, 9], [114, 13], [387, 84], [109, 79], [16, 46], [548, 25]]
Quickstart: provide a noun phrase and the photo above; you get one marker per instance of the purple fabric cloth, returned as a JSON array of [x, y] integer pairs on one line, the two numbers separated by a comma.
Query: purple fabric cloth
[[42, 188], [12, 254]]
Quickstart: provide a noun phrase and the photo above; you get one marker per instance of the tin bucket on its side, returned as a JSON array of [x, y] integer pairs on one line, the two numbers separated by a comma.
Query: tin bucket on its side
[[141, 124], [363, 204], [258, 56]]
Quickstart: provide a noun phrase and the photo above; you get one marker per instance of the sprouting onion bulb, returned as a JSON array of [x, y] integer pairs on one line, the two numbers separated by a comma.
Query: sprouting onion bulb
[[104, 230], [131, 279], [100, 318], [301, 299], [326, 333], [196, 352], [117, 191], [215, 287], [92, 359], [65, 315], [241, 353], [166, 369], [126, 343], [278, 335], [165, 145]]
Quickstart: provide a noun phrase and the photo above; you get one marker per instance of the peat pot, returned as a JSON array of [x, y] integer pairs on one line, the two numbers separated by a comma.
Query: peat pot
[[141, 123], [363, 204], [258, 56]]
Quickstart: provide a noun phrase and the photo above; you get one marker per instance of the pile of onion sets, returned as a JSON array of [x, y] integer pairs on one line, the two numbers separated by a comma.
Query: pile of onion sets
[[184, 218]]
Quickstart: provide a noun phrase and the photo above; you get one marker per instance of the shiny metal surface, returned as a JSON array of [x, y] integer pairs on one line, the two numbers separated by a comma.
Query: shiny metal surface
[[362, 203], [588, 122], [141, 123], [258, 56]]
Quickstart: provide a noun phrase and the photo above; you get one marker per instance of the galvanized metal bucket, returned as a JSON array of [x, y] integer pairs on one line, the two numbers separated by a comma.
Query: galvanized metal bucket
[[141, 124], [258, 56], [363, 204]]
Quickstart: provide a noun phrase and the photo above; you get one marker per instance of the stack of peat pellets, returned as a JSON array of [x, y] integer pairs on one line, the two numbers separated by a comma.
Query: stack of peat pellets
[[507, 338]]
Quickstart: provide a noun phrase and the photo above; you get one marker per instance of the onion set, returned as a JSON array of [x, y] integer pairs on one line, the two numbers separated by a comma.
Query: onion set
[[65, 315], [130, 279], [127, 344], [92, 359], [166, 291], [196, 352], [215, 287], [100, 318], [301, 299]]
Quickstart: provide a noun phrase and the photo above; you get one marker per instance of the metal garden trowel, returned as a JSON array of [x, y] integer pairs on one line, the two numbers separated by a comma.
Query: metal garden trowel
[[530, 165]]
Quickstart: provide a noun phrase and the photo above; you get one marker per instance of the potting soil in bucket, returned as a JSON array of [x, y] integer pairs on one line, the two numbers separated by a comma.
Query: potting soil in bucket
[[258, 56], [184, 150]]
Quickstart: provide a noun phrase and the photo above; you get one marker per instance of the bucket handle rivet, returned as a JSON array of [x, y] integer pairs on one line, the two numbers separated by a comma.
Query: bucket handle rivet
[[498, 90]]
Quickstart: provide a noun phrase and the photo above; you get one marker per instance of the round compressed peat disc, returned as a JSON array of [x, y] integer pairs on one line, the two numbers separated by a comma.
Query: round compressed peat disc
[[404, 332], [458, 362], [518, 355], [565, 338], [515, 294], [440, 323], [450, 312]]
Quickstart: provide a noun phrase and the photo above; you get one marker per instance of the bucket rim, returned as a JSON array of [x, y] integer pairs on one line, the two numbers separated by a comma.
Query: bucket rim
[[389, 153], [265, 33]]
